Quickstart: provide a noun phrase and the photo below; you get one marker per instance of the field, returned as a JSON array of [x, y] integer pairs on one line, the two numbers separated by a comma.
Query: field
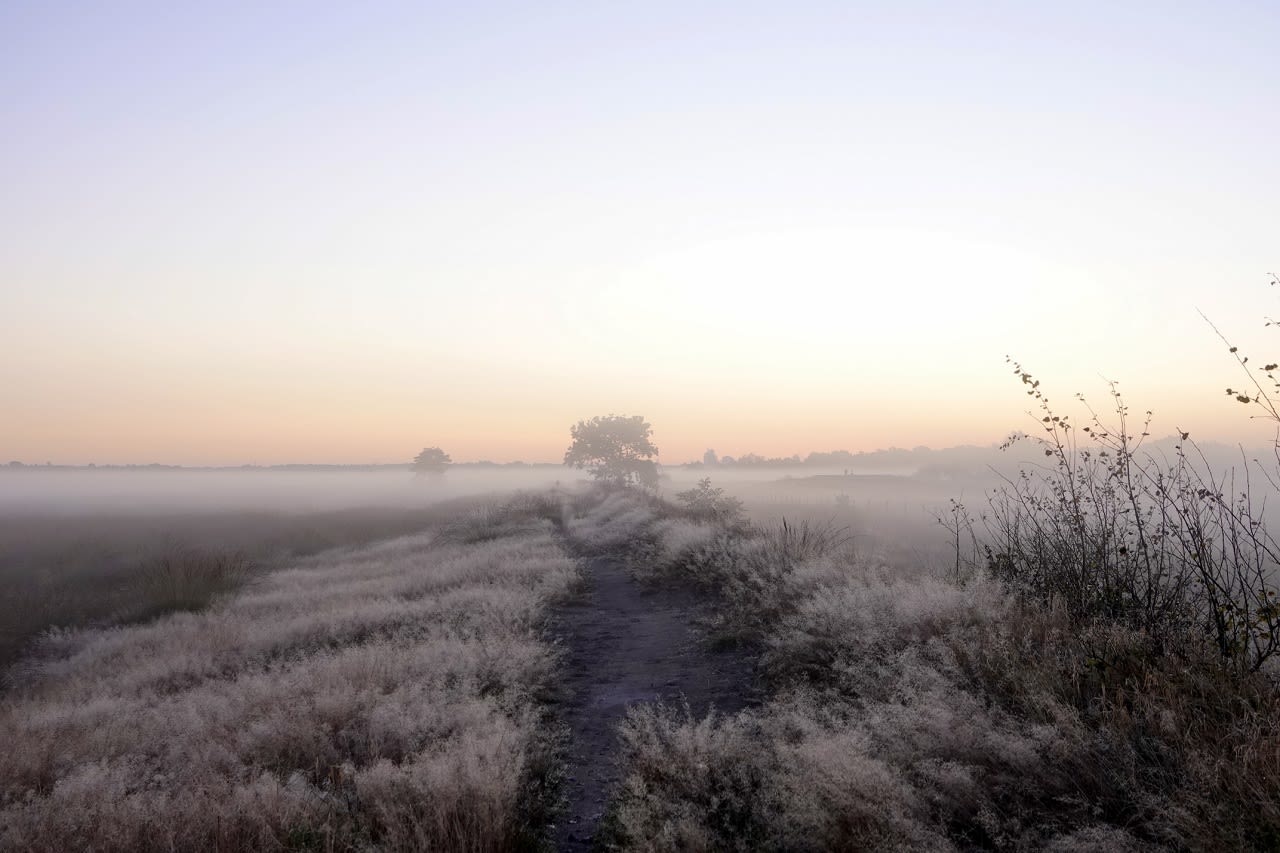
[[582, 669], [83, 570], [383, 694], [101, 547]]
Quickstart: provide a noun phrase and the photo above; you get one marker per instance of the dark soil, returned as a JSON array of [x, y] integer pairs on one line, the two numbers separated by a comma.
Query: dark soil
[[626, 643]]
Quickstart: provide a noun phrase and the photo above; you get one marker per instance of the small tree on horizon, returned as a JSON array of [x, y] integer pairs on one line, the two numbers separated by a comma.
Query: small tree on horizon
[[616, 448], [432, 460]]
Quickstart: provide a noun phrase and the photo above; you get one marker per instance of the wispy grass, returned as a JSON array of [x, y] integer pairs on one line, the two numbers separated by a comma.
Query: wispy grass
[[184, 578]]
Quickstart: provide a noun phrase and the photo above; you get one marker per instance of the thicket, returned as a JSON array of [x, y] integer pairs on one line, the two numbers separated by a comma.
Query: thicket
[[1166, 546]]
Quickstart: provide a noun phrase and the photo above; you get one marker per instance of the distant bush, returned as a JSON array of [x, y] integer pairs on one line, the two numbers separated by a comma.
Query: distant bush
[[711, 503], [751, 569]]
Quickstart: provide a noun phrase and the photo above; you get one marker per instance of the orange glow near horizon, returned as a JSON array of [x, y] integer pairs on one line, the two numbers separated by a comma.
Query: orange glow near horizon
[[342, 242], [365, 426]]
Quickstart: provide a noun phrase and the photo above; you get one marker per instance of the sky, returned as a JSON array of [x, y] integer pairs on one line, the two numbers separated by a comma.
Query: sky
[[307, 232]]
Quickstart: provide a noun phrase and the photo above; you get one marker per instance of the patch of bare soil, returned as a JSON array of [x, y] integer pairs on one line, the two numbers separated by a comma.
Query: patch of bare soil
[[626, 643]]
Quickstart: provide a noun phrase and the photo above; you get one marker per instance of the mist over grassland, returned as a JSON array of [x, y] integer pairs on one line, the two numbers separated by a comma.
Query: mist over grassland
[[927, 473], [36, 490], [302, 657]]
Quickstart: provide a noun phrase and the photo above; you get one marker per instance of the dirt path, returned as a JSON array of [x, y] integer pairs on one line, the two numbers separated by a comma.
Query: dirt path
[[626, 644]]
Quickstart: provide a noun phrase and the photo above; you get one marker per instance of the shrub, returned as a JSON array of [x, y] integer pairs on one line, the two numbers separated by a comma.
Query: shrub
[[711, 503], [901, 735], [1167, 547], [751, 570], [782, 780]]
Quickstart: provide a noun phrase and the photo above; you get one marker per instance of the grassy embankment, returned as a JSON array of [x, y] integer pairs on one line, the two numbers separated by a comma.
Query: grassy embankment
[[388, 696], [82, 570]]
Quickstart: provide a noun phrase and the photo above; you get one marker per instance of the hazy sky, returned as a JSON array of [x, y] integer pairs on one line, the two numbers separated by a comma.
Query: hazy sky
[[278, 232]]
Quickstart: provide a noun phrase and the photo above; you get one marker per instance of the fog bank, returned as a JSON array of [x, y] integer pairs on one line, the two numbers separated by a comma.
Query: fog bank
[[39, 491]]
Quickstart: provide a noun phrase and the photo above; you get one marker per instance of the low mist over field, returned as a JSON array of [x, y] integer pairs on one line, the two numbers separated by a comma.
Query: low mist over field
[[143, 490]]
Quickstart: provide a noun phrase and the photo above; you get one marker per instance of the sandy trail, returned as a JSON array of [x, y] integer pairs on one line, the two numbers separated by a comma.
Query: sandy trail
[[626, 643]]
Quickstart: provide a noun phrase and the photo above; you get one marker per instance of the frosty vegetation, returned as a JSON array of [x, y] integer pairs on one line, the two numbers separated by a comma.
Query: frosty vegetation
[[75, 570], [382, 696], [401, 696], [911, 711]]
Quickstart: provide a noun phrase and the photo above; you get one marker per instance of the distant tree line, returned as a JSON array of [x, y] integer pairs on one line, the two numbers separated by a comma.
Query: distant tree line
[[819, 459]]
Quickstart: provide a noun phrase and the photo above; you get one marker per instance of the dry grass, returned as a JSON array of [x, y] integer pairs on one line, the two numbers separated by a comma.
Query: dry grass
[[386, 696], [393, 696], [612, 519], [76, 570], [909, 712]]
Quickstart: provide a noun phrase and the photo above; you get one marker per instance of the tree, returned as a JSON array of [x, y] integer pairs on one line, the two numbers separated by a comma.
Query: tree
[[710, 459], [616, 448], [432, 460]]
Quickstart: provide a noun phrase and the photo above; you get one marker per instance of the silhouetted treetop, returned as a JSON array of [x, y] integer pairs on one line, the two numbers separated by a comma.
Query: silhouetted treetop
[[432, 460], [616, 449]]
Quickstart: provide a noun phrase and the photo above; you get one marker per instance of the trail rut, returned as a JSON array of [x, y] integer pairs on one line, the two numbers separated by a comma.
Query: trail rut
[[625, 644]]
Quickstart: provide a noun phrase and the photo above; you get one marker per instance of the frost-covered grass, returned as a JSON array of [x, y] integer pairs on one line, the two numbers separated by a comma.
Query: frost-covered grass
[[395, 696], [611, 519], [76, 570], [909, 712], [385, 696]]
